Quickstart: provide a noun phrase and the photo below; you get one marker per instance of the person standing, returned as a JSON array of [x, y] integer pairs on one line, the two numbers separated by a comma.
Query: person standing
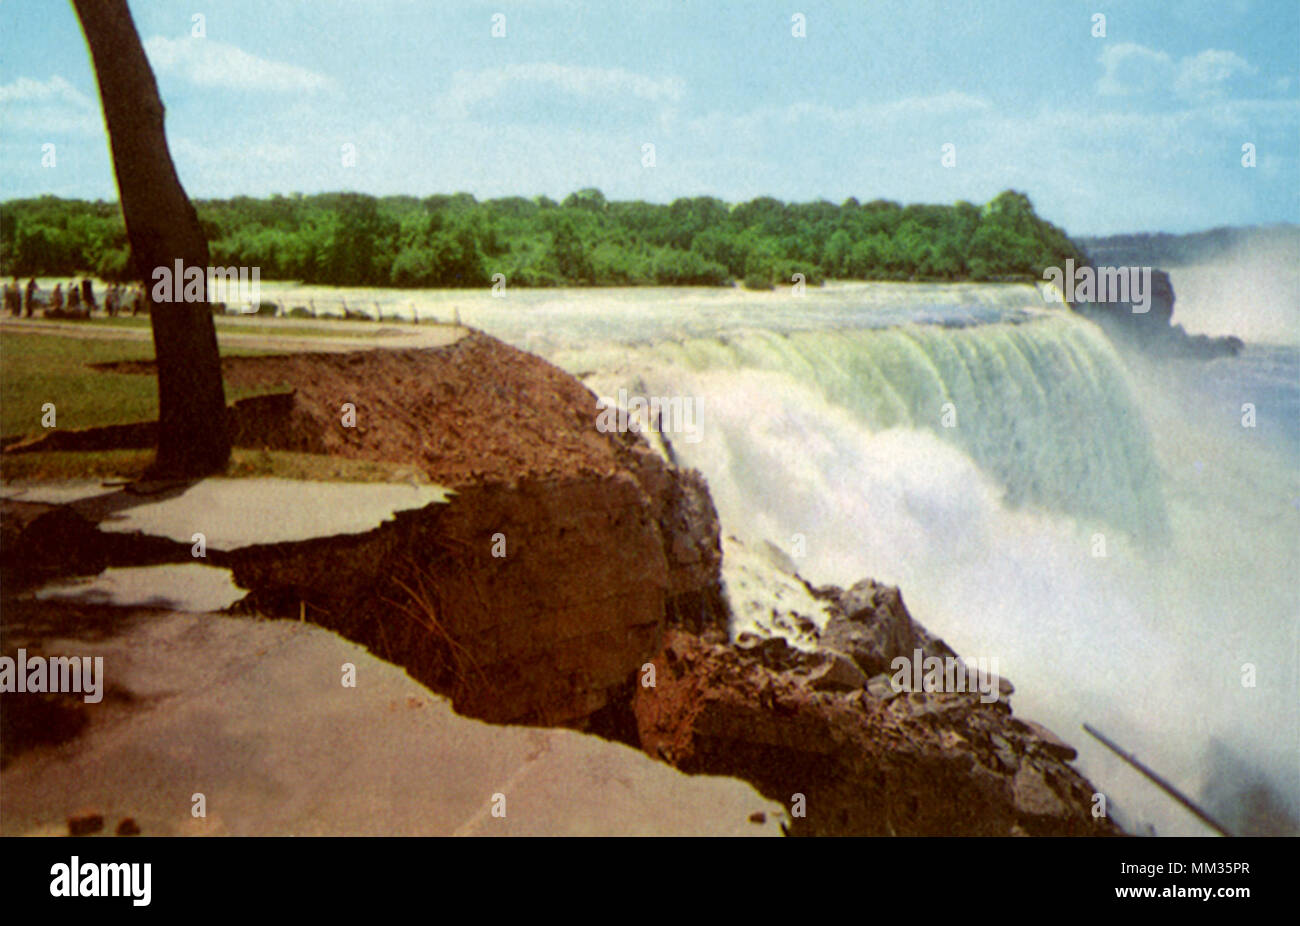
[[29, 305]]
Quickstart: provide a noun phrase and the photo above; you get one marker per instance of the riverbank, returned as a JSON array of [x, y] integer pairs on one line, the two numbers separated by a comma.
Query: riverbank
[[565, 562]]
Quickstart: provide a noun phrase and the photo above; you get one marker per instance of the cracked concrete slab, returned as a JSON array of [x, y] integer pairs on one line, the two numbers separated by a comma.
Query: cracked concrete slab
[[253, 715], [235, 513], [190, 587]]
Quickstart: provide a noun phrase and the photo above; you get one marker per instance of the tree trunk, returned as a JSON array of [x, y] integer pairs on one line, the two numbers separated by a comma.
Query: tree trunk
[[163, 228]]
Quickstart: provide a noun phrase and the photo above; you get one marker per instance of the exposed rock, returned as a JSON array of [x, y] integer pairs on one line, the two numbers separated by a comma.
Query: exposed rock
[[1006, 754], [467, 595], [879, 686], [1034, 795], [921, 765], [1050, 743], [688, 523], [836, 673], [871, 624], [777, 653], [1153, 330], [505, 635], [709, 707]]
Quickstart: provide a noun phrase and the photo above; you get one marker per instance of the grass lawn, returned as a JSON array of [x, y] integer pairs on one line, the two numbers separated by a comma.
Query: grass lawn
[[38, 368]]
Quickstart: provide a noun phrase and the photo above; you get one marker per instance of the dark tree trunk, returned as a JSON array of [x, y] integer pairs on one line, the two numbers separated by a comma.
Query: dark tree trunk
[[163, 228]]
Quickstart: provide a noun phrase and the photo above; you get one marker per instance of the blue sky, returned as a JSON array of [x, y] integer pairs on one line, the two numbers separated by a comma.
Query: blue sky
[[1141, 129]]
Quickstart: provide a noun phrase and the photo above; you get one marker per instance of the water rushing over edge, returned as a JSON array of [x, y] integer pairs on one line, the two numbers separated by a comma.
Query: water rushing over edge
[[1094, 520], [823, 417]]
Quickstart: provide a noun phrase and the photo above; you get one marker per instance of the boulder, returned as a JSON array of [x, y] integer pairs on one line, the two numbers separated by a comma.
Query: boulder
[[871, 625], [1047, 741], [777, 654], [1034, 795], [880, 687], [926, 764], [837, 673]]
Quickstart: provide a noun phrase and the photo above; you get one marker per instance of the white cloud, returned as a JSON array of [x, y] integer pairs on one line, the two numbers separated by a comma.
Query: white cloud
[[209, 63], [1205, 74], [470, 88], [50, 107], [54, 90], [1131, 69]]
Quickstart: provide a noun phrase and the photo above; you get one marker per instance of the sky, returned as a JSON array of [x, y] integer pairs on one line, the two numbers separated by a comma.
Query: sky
[[1139, 129]]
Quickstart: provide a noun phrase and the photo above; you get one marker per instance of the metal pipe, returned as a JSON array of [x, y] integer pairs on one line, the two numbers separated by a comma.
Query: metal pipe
[[1169, 789]]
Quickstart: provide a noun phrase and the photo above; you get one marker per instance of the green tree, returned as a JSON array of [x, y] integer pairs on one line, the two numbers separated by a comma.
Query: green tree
[[568, 253]]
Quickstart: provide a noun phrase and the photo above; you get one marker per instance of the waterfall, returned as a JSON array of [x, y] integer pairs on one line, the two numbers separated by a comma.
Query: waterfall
[[1123, 548], [1042, 406]]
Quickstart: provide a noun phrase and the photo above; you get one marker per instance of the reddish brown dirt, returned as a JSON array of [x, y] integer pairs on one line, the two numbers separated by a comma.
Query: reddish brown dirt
[[600, 538], [474, 411]]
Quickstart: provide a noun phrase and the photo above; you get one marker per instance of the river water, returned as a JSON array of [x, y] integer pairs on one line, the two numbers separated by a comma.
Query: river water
[[1113, 529]]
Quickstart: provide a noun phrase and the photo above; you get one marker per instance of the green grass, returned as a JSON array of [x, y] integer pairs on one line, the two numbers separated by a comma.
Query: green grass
[[38, 368], [131, 464], [66, 465]]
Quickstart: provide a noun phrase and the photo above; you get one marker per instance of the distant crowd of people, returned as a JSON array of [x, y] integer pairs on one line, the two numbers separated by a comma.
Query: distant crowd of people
[[78, 301]]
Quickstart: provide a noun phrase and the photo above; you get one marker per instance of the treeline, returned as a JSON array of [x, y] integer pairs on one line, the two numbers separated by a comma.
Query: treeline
[[351, 239]]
